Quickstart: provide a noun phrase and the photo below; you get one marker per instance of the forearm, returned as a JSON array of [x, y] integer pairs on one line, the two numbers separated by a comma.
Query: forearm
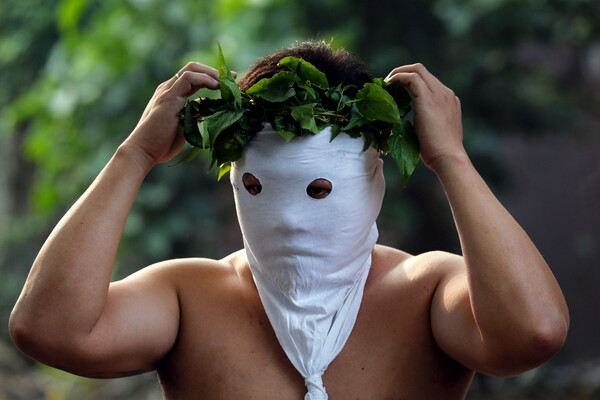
[[65, 292], [513, 293]]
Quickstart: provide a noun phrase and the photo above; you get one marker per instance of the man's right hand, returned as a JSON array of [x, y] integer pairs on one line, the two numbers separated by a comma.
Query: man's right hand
[[158, 135]]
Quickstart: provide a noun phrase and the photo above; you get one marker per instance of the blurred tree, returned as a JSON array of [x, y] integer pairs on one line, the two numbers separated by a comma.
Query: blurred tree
[[27, 34]]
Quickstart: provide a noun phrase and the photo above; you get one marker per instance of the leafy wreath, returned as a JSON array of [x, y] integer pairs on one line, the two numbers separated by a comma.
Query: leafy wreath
[[299, 101]]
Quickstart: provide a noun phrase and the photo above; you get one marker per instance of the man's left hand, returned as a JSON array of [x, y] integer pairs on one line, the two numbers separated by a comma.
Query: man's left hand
[[438, 123]]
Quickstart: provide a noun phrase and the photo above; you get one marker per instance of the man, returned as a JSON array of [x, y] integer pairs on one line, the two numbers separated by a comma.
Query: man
[[210, 327]]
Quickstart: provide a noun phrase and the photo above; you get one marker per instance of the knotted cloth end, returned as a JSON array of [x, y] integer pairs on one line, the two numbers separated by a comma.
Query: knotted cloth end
[[316, 390]]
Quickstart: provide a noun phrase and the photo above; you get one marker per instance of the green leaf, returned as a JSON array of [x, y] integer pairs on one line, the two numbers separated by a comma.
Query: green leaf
[[221, 120], [249, 125], [186, 155], [224, 71], [227, 148], [287, 135], [223, 170], [205, 135], [376, 103], [276, 89], [379, 82], [305, 116], [306, 93], [207, 107], [369, 138], [230, 92], [356, 119], [335, 131], [398, 93], [190, 124], [286, 125], [404, 149], [306, 71]]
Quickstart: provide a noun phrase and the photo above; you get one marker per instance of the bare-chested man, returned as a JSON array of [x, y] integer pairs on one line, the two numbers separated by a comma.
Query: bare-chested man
[[426, 322]]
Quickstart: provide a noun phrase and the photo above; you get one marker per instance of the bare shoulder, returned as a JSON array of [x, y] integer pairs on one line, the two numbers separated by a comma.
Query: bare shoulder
[[181, 270], [432, 265], [201, 287], [172, 285]]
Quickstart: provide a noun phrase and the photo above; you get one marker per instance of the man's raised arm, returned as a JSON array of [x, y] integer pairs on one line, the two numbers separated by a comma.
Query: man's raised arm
[[498, 309], [69, 315]]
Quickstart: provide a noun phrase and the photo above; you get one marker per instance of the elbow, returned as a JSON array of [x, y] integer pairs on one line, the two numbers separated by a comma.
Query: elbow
[[549, 332], [549, 338], [23, 333], [35, 339], [544, 340], [47, 344], [16, 328], [533, 349]]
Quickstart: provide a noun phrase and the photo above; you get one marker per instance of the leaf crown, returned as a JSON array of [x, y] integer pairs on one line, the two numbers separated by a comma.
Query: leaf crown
[[299, 101]]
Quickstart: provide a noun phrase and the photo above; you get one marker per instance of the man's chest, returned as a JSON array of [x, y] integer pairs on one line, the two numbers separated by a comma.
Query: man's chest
[[231, 352]]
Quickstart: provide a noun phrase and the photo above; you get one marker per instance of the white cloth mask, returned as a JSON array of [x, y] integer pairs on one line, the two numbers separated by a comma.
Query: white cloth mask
[[309, 257]]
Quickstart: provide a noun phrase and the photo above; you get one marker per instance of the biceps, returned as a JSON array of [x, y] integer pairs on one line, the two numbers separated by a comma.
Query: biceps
[[136, 329], [453, 324]]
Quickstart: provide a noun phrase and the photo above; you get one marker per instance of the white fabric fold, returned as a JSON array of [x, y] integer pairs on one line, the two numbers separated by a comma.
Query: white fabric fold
[[316, 390], [310, 258]]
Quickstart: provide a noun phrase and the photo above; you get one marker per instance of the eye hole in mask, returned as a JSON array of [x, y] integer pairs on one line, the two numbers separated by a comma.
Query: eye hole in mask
[[251, 183], [319, 188]]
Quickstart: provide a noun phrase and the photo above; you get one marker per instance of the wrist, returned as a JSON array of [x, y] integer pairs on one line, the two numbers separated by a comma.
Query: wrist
[[135, 155], [446, 162]]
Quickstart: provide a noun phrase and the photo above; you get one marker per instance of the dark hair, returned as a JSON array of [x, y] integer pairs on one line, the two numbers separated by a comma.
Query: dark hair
[[339, 66]]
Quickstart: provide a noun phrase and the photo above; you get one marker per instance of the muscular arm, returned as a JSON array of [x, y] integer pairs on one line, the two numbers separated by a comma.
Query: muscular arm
[[517, 305], [69, 314], [498, 309]]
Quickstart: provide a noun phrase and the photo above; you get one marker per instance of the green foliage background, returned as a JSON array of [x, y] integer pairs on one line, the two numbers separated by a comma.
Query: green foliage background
[[75, 76]]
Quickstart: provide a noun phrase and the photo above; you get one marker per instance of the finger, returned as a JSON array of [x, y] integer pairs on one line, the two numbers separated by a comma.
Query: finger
[[411, 81], [201, 68], [430, 80], [189, 82], [193, 67]]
